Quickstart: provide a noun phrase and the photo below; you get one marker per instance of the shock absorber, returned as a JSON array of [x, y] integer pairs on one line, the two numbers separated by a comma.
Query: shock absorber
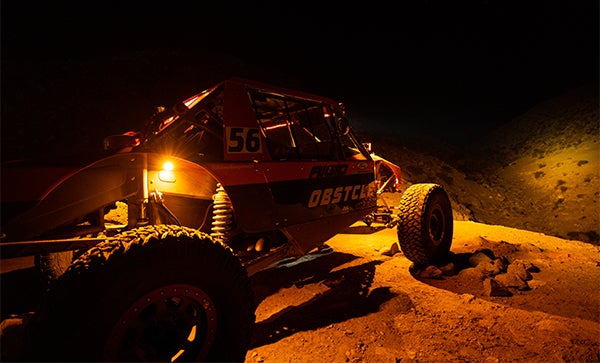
[[222, 219]]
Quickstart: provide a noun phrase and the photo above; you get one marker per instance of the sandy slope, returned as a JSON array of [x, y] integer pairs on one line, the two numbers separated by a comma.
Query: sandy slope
[[354, 304], [546, 164], [539, 172]]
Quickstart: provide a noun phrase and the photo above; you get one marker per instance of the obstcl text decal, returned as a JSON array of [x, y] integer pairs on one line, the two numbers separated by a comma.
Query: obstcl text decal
[[321, 197]]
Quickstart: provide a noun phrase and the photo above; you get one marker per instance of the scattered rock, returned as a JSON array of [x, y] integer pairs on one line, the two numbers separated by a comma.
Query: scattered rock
[[513, 280], [394, 248], [483, 256], [431, 272], [489, 268], [530, 267], [518, 268], [472, 273], [491, 287], [498, 274], [501, 264], [449, 269]]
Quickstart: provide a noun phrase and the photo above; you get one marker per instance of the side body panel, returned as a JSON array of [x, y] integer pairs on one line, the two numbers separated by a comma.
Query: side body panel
[[84, 191], [274, 195]]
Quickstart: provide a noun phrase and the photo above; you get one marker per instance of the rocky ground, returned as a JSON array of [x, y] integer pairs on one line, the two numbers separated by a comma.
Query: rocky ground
[[508, 295], [505, 295]]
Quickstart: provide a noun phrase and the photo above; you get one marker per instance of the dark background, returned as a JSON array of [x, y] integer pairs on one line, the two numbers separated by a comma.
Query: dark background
[[73, 72]]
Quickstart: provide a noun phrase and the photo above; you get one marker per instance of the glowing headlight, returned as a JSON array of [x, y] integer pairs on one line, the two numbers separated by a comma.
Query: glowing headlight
[[166, 174]]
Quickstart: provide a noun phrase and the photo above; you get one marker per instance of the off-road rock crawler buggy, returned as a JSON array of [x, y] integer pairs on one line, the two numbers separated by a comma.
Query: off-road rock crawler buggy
[[213, 190]]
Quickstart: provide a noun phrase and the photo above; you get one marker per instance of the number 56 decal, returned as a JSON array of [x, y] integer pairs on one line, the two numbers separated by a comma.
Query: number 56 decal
[[243, 140]]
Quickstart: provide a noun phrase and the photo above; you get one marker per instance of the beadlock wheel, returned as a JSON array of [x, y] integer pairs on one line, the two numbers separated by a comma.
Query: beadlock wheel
[[179, 322], [436, 225]]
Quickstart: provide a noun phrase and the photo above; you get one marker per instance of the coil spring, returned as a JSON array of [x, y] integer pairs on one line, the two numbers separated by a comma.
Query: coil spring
[[222, 219]]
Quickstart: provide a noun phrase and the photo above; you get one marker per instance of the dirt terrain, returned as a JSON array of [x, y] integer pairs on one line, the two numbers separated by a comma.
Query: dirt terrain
[[357, 301], [505, 295]]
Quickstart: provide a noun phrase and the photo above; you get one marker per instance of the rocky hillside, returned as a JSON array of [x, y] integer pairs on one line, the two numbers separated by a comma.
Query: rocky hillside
[[540, 171]]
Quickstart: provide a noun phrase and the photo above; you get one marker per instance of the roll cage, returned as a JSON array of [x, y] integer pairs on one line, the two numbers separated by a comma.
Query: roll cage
[[278, 128]]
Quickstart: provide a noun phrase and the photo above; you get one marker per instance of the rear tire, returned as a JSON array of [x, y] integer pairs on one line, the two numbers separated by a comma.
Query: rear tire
[[426, 224], [157, 293]]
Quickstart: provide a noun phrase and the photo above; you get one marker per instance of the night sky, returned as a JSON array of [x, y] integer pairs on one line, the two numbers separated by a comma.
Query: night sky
[[433, 67]]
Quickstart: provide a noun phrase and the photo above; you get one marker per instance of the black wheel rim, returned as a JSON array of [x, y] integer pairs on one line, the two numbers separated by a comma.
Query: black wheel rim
[[436, 225], [172, 323]]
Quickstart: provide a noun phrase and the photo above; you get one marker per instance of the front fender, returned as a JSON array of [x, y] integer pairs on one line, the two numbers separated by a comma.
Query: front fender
[[388, 174]]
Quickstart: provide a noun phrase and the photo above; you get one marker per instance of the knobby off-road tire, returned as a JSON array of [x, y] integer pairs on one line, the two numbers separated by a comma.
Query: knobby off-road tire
[[157, 293], [426, 224]]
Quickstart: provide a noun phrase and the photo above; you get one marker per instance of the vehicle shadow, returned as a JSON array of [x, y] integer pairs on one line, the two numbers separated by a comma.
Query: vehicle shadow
[[348, 296]]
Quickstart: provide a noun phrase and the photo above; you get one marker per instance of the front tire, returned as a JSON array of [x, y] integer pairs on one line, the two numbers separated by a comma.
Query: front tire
[[157, 293], [426, 224]]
